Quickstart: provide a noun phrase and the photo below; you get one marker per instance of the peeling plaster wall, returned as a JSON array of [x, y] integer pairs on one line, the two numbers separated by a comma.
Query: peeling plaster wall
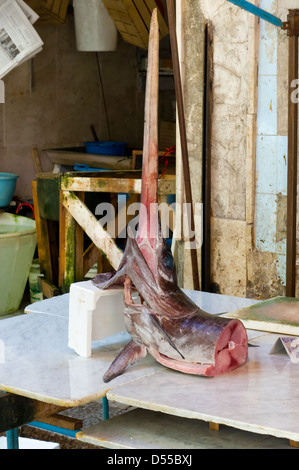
[[249, 148]]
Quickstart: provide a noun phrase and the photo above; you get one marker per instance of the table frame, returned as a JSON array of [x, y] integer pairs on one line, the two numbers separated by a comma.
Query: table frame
[[75, 219]]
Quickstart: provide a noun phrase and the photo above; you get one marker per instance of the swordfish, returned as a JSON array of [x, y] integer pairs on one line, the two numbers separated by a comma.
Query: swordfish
[[166, 323]]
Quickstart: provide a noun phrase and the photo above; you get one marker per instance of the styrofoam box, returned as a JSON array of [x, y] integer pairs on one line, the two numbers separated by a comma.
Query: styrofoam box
[[25, 443], [94, 314]]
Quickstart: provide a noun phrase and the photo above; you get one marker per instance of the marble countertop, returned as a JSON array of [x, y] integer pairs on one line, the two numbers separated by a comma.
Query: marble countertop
[[262, 396], [36, 362]]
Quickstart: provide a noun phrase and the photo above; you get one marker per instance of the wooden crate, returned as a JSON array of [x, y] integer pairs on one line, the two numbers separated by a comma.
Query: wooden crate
[[50, 11], [132, 19]]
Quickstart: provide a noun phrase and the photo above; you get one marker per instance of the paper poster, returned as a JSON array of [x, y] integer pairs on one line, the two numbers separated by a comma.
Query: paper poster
[[289, 345]]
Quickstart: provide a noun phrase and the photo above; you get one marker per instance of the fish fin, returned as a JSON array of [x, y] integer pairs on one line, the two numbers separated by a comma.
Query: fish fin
[[166, 336], [129, 355], [109, 280]]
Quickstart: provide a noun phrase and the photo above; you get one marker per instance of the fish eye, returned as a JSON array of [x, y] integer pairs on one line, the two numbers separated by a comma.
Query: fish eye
[[168, 262]]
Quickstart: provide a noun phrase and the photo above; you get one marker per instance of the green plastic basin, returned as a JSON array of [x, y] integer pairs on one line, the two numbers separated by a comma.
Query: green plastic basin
[[17, 247]]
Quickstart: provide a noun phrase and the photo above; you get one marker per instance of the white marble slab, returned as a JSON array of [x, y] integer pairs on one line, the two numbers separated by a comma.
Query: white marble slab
[[36, 362], [261, 397], [212, 303], [57, 306], [218, 303], [143, 429]]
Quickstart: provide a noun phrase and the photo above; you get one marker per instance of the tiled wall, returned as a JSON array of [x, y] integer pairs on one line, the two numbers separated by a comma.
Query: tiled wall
[[271, 154]]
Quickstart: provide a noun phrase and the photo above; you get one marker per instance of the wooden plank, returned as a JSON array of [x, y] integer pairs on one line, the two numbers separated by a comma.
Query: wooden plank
[[66, 247], [48, 4], [48, 289], [16, 410], [56, 7], [90, 257], [213, 426], [50, 11], [62, 238], [139, 22], [163, 28], [115, 185], [62, 421], [277, 315], [63, 9], [132, 20], [79, 246], [92, 228], [36, 160], [292, 168], [42, 235], [119, 12], [294, 444], [69, 250]]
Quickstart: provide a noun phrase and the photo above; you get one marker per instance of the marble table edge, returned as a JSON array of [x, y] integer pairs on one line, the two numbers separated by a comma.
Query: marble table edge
[[72, 403], [209, 418]]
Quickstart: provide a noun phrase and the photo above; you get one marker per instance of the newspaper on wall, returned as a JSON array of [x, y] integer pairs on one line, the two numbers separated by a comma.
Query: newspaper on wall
[[31, 15], [19, 41]]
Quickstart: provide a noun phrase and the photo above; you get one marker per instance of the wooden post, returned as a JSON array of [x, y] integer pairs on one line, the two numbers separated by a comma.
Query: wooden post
[[182, 128], [293, 33], [214, 426]]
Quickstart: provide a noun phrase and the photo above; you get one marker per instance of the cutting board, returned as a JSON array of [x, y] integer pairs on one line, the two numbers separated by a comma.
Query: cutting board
[[277, 315]]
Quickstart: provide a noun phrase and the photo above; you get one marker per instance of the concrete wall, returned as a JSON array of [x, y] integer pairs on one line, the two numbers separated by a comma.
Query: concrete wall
[[64, 100], [249, 146]]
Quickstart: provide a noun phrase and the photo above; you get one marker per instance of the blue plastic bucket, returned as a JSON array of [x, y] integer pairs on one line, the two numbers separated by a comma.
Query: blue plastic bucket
[[106, 148], [8, 183]]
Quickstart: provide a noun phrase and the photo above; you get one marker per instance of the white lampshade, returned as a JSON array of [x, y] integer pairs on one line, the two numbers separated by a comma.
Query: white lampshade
[[95, 30]]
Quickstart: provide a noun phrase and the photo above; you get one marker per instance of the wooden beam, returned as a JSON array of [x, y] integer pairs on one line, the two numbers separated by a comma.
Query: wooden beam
[[92, 228], [62, 421], [214, 426], [183, 133], [79, 246], [90, 257], [292, 166], [48, 289], [115, 183], [16, 410], [43, 242]]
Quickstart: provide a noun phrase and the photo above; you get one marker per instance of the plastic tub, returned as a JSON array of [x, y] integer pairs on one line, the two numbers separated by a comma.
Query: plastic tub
[[17, 246], [8, 183], [106, 148]]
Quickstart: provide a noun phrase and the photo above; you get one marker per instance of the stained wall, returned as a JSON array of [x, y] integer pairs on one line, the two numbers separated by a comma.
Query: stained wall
[[56, 103], [248, 147]]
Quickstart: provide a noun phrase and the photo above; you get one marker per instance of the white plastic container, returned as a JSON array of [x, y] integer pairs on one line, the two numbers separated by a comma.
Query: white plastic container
[[94, 314], [17, 246], [94, 27]]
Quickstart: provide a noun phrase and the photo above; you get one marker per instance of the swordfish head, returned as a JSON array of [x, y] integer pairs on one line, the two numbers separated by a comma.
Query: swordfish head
[[165, 323], [147, 259]]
